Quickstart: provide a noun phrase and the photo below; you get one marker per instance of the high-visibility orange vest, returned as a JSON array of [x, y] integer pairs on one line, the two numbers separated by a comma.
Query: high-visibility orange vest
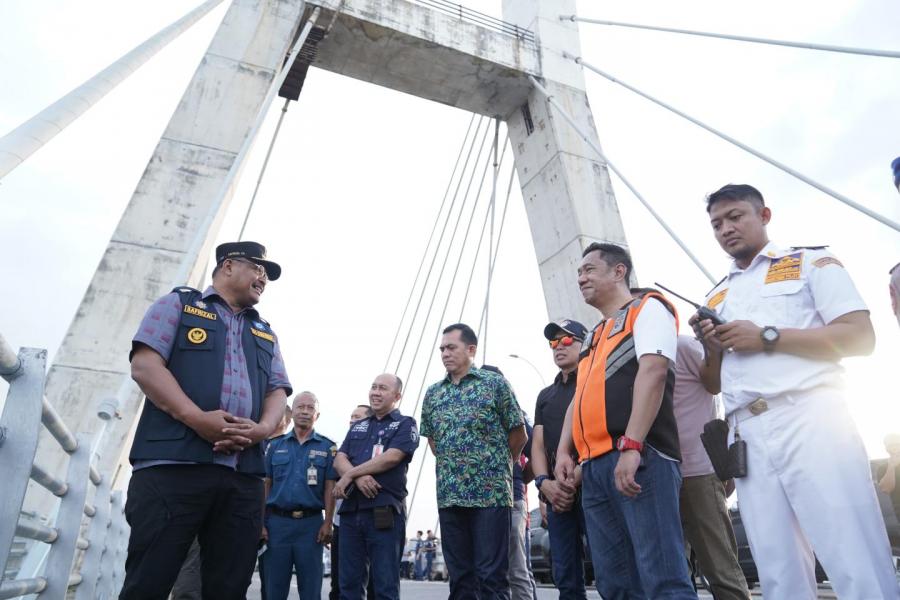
[[603, 394]]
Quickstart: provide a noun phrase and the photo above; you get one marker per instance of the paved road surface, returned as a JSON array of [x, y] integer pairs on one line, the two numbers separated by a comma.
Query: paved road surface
[[436, 590]]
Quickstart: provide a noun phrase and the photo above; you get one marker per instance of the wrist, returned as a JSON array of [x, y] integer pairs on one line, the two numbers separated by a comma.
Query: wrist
[[188, 415], [626, 443], [539, 481]]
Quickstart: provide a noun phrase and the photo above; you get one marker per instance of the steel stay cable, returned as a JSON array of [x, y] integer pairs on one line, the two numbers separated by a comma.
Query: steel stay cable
[[742, 38], [446, 305], [484, 340], [452, 281], [437, 220], [779, 165], [477, 254], [627, 183], [440, 276], [512, 176], [262, 170], [437, 248]]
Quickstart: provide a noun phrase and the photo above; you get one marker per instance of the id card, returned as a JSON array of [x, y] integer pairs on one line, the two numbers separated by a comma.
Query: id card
[[377, 450], [312, 476]]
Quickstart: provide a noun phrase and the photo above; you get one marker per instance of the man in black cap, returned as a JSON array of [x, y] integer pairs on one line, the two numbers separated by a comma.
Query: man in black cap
[[565, 519], [215, 386]]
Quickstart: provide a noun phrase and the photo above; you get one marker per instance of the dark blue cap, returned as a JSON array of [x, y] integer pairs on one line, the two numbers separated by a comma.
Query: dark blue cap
[[252, 251], [896, 167], [569, 326]]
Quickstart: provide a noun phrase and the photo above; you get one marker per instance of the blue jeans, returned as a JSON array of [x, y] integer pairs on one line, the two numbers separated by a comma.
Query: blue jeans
[[292, 546], [364, 546], [566, 531], [636, 543], [476, 550]]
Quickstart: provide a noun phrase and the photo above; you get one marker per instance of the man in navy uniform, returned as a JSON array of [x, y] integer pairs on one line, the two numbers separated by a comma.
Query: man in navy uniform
[[372, 463], [212, 372], [299, 482]]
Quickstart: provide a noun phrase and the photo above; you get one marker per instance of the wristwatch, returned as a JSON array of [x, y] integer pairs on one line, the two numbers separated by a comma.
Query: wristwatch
[[626, 443], [770, 337], [539, 480]]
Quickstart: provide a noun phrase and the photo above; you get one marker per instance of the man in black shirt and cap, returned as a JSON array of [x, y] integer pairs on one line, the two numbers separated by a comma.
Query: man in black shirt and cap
[[565, 519]]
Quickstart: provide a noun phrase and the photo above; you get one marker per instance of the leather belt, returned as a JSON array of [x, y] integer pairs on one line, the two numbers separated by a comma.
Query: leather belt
[[301, 513]]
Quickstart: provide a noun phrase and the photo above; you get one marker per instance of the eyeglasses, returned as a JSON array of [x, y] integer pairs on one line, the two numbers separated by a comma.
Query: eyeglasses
[[258, 269], [566, 340]]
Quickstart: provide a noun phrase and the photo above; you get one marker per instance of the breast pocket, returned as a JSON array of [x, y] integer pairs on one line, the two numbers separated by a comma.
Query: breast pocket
[[196, 333], [265, 353], [781, 303], [281, 464]]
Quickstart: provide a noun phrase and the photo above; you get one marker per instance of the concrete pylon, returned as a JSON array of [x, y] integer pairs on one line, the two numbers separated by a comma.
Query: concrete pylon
[[567, 192], [166, 222]]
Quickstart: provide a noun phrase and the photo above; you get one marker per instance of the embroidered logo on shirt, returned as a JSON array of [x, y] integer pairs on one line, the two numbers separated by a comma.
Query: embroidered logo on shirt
[[361, 426], [619, 325], [394, 425], [200, 304], [785, 269], [262, 334], [192, 310], [196, 335], [717, 298]]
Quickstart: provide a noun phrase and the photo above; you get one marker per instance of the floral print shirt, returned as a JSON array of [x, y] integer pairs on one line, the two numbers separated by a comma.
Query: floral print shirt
[[469, 424]]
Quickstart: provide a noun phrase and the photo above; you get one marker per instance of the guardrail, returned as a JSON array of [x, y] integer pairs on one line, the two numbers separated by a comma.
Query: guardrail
[[478, 18], [84, 547]]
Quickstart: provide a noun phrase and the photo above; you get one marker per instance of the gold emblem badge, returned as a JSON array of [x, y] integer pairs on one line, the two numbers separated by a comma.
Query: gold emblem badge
[[196, 335]]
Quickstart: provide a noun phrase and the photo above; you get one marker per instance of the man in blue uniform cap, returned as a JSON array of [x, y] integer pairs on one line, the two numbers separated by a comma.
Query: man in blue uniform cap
[[299, 481], [216, 386], [372, 463]]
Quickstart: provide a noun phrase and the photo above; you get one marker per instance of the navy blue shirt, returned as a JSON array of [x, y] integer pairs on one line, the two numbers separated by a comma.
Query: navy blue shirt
[[288, 463], [393, 431]]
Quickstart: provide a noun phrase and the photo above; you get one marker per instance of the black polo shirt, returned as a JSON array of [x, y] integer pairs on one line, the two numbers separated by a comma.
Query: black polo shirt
[[550, 412]]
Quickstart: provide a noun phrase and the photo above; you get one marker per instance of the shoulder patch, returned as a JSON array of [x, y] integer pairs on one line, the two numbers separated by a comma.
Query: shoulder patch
[[827, 260], [717, 298], [262, 334]]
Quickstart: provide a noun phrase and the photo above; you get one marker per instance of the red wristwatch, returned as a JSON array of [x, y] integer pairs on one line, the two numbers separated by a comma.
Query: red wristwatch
[[626, 443]]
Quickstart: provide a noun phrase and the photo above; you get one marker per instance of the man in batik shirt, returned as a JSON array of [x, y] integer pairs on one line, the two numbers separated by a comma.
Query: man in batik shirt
[[475, 429]]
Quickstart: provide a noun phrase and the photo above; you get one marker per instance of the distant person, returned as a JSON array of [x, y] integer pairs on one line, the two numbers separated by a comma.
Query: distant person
[[429, 549], [373, 461], [417, 551], [475, 430], [622, 424], [704, 514], [791, 315], [299, 482], [565, 519], [216, 387], [888, 476], [894, 287], [895, 166], [362, 411]]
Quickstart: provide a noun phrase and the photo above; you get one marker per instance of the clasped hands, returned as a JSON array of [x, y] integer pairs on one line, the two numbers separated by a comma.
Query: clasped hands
[[365, 483], [226, 432]]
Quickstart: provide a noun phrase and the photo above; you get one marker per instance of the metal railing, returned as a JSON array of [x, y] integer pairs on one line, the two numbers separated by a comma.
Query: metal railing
[[481, 19], [84, 547]]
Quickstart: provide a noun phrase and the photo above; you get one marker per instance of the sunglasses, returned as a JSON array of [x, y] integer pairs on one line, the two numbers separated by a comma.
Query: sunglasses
[[566, 340]]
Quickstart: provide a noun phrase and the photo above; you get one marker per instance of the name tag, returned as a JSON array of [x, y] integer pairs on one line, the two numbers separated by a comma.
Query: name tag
[[312, 475], [193, 310], [263, 335]]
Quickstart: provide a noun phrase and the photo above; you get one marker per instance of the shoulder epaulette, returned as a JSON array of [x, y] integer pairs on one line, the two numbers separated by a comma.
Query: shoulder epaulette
[[183, 289], [808, 247]]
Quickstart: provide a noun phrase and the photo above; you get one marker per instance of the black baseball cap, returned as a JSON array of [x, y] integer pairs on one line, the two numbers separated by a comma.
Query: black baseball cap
[[573, 328], [252, 251]]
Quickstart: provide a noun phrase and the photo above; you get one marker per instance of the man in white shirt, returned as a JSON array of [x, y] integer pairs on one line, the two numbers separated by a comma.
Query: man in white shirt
[[791, 315]]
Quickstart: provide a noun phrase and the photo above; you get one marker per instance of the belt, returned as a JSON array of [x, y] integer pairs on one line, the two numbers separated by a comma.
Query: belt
[[755, 408], [301, 513]]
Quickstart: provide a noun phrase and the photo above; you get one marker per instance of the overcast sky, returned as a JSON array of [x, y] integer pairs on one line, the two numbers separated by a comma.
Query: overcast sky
[[359, 173]]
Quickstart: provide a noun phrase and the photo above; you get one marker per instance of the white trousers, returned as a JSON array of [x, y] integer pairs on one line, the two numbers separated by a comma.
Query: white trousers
[[809, 489]]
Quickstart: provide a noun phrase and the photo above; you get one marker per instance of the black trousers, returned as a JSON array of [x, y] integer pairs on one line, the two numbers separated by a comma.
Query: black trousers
[[168, 506], [335, 592]]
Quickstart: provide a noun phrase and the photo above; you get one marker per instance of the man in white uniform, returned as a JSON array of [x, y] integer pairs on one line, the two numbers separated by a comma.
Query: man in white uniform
[[792, 314]]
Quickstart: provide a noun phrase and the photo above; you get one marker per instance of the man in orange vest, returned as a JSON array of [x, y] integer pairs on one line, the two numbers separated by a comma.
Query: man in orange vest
[[622, 425]]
